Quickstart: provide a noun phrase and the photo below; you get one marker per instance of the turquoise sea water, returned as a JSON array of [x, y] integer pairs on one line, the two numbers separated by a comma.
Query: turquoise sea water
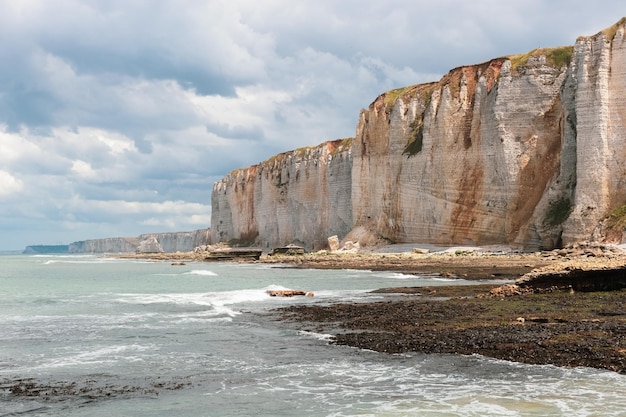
[[89, 336]]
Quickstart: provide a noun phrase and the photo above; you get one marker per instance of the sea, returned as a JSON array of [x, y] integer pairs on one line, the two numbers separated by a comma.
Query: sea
[[96, 336]]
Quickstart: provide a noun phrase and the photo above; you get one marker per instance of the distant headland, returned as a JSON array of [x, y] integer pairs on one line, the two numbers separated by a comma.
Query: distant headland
[[169, 242]]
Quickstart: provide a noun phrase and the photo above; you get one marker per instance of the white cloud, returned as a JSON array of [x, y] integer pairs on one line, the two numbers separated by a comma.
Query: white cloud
[[131, 208], [103, 103], [195, 221], [9, 184], [83, 169], [14, 146], [117, 144]]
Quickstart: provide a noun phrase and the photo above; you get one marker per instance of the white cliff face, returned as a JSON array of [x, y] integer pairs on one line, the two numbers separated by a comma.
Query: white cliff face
[[599, 73], [299, 197], [490, 144], [526, 150], [164, 242], [172, 242], [149, 245], [107, 245]]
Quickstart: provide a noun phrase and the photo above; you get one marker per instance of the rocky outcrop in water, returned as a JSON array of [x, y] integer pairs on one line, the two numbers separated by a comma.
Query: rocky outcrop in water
[[524, 150], [146, 243]]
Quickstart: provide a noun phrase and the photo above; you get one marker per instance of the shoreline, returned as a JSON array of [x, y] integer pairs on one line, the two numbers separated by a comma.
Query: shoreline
[[466, 263], [551, 326], [470, 261], [560, 329]]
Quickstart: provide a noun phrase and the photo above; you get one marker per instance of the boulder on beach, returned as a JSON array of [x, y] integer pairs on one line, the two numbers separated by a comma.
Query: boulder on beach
[[288, 250], [288, 293]]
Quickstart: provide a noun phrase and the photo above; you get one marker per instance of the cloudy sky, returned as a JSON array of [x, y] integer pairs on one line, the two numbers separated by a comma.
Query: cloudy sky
[[116, 117]]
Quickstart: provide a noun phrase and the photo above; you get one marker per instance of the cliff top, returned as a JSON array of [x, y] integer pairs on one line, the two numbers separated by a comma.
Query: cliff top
[[332, 147], [424, 89], [556, 57], [307, 152]]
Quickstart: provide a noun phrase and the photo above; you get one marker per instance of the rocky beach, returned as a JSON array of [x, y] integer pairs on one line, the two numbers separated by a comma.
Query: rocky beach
[[564, 307], [547, 324]]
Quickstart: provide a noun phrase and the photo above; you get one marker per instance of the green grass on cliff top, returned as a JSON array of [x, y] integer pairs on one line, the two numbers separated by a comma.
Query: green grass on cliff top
[[424, 89], [558, 57], [392, 96], [339, 145]]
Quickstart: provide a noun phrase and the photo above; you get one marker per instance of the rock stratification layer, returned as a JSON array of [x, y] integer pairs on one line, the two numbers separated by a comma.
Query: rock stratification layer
[[155, 242], [526, 150], [301, 197]]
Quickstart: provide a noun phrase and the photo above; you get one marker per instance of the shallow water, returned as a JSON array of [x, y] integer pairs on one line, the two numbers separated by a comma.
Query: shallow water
[[101, 337]]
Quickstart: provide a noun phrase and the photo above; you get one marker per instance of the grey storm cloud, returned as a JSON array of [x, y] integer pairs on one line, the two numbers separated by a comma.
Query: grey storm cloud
[[116, 117]]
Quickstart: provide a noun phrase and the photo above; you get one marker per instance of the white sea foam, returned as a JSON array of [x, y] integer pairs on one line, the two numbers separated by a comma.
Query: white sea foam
[[87, 260], [345, 295], [467, 387], [201, 272], [262, 266], [443, 279], [319, 336], [187, 320], [398, 275], [173, 298], [99, 355], [219, 302]]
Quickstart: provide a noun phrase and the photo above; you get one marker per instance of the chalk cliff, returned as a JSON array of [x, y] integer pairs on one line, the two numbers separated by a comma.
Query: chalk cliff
[[180, 241], [300, 197], [525, 150], [154, 242], [107, 245]]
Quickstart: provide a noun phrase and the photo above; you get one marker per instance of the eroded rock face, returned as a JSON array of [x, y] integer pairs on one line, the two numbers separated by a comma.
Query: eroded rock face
[[525, 150], [598, 78], [150, 245], [299, 197], [172, 242], [462, 161]]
